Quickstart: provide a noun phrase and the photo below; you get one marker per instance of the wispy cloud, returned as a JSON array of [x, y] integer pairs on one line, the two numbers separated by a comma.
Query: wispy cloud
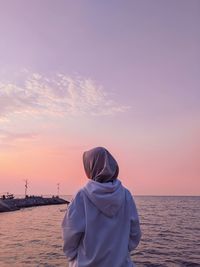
[[8, 139], [9, 136], [58, 95]]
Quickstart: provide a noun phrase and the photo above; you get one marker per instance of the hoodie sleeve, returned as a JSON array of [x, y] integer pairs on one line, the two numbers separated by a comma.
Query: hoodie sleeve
[[135, 231], [73, 227]]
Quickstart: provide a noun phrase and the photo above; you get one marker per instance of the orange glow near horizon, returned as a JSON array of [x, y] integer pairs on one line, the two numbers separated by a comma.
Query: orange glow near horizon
[[149, 171]]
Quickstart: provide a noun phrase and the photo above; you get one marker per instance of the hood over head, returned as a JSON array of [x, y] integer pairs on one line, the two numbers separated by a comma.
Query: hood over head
[[107, 197], [100, 165]]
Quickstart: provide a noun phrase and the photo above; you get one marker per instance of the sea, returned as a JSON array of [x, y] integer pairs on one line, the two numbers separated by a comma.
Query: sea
[[170, 225]]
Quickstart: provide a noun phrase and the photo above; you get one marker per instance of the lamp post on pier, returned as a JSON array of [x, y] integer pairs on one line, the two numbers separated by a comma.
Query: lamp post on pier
[[26, 187], [58, 189]]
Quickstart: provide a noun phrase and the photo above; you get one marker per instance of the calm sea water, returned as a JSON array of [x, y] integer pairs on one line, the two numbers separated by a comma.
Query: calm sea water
[[170, 226]]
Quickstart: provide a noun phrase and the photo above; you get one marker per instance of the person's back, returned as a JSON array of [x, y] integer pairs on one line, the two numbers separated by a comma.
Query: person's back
[[101, 225]]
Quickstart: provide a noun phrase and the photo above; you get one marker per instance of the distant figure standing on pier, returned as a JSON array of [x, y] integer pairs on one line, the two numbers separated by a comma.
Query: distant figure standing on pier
[[101, 226]]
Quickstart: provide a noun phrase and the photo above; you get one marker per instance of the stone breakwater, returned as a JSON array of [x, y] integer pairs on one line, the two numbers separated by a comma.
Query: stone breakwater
[[19, 203]]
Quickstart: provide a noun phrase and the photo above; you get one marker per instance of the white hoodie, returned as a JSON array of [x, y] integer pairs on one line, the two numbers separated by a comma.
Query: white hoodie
[[101, 226]]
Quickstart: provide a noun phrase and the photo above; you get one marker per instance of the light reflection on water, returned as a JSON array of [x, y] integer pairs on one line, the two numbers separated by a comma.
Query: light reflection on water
[[170, 226], [32, 237]]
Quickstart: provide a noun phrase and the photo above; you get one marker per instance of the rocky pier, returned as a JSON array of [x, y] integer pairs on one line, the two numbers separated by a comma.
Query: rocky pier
[[30, 201]]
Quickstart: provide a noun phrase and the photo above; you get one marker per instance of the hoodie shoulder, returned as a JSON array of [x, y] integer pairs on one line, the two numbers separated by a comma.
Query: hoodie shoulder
[[78, 196], [76, 204], [128, 193], [129, 196]]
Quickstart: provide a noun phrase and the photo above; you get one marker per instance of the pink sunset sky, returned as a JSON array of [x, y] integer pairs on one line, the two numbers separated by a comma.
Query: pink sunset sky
[[119, 74]]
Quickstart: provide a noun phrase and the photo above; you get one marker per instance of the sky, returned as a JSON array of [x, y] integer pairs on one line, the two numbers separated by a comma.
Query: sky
[[119, 74]]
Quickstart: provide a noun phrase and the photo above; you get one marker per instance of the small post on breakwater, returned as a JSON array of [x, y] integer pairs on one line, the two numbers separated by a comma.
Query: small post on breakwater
[[58, 189], [26, 187]]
